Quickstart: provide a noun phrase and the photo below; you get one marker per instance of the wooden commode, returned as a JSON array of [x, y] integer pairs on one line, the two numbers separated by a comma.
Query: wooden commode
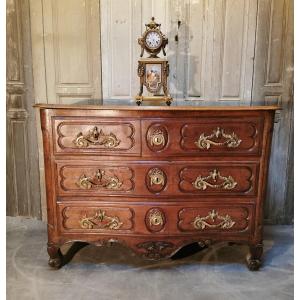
[[156, 178]]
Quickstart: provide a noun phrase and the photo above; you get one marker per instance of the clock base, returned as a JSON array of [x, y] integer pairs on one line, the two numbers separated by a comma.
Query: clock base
[[139, 99]]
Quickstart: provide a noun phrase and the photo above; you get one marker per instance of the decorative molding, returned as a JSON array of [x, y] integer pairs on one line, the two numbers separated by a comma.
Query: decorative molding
[[15, 87], [196, 31], [277, 14], [155, 249], [14, 41], [17, 114]]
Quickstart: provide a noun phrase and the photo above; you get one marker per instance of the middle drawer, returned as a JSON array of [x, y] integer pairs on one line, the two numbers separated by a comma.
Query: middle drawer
[[138, 179]]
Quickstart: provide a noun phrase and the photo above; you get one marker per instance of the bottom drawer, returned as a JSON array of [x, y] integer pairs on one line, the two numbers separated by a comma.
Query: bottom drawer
[[172, 218]]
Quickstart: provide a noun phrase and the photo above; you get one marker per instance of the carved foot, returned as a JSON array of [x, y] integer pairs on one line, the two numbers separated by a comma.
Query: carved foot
[[138, 103], [253, 264], [56, 257], [254, 257], [169, 103]]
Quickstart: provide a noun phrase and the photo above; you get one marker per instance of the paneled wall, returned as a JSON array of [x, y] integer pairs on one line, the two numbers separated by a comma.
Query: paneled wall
[[273, 84], [22, 181], [203, 63]]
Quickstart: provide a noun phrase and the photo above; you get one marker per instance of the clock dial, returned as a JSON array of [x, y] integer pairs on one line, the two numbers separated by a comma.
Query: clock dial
[[153, 40]]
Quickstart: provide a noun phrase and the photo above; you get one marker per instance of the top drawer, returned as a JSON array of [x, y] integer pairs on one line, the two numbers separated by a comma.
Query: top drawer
[[96, 136], [203, 136]]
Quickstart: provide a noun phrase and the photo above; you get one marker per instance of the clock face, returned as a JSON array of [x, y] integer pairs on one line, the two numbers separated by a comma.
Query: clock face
[[153, 40]]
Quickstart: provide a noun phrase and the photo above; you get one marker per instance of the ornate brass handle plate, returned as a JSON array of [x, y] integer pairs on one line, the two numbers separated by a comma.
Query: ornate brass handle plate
[[201, 183], [200, 222], [101, 221], [231, 140], [157, 177], [157, 138], [156, 218], [96, 137], [100, 179]]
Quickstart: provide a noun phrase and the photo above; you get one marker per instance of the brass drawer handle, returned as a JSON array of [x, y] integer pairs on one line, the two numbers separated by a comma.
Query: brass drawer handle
[[200, 222], [157, 177], [94, 137], [231, 140], [157, 138], [100, 179], [101, 221], [201, 183]]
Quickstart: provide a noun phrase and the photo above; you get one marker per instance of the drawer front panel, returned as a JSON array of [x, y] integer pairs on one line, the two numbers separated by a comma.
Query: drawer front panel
[[97, 136], [96, 218], [229, 179], [219, 179], [172, 218], [223, 219], [99, 180], [202, 137]]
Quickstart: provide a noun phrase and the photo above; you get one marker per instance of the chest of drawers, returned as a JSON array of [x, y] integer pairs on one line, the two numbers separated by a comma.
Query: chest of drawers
[[156, 178]]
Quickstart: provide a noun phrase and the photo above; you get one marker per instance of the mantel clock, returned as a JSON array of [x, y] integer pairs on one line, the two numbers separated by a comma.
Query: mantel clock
[[153, 71]]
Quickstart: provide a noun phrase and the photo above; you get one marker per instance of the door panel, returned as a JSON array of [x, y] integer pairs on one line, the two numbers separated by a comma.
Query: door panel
[[273, 84], [22, 170], [72, 50]]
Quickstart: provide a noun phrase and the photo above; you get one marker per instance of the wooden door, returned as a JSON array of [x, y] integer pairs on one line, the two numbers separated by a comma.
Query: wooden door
[[273, 84], [22, 170]]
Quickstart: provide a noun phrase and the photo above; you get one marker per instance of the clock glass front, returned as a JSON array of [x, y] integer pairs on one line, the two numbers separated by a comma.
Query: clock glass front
[[153, 40]]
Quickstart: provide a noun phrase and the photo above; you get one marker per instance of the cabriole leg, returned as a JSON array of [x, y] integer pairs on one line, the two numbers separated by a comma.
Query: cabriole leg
[[254, 257], [56, 257]]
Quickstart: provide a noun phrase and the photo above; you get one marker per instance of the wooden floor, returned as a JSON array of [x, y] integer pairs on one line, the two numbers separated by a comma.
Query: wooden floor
[[116, 273]]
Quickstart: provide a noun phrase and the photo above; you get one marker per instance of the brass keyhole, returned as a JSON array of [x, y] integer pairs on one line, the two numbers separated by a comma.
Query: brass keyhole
[[156, 221], [158, 140], [158, 180]]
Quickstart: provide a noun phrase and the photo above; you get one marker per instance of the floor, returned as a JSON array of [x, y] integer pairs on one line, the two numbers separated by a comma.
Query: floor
[[116, 273]]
